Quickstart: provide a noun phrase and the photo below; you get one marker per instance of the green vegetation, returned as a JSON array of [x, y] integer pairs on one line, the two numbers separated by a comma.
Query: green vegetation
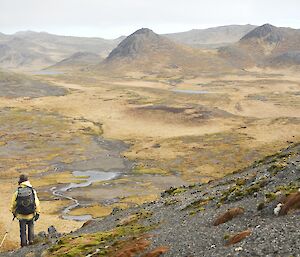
[[174, 191], [73, 246], [102, 242]]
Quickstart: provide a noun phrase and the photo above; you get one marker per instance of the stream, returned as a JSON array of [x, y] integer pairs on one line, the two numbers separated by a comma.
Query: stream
[[87, 178]]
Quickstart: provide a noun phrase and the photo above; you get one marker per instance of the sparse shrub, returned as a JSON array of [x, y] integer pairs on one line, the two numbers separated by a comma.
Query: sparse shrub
[[173, 191], [238, 237], [260, 206], [226, 236], [270, 196], [252, 189], [228, 215], [240, 181], [157, 252], [170, 202], [288, 189], [276, 167], [292, 202]]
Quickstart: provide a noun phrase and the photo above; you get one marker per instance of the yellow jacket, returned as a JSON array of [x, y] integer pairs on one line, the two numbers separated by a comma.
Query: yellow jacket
[[14, 204]]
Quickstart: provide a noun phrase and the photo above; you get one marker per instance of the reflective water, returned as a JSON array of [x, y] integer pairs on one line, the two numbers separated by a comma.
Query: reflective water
[[87, 178]]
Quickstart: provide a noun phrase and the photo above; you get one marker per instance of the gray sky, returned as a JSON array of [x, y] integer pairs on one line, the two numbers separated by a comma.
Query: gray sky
[[112, 18]]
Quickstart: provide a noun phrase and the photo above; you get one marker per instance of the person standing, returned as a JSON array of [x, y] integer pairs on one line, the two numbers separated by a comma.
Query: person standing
[[25, 206]]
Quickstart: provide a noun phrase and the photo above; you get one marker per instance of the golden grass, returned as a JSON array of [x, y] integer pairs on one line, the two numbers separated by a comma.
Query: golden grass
[[162, 143], [98, 211]]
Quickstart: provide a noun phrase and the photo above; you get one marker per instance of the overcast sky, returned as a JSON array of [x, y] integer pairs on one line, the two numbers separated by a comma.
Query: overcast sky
[[112, 18]]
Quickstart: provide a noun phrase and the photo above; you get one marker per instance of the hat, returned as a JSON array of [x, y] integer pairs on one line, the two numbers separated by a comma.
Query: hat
[[22, 178]]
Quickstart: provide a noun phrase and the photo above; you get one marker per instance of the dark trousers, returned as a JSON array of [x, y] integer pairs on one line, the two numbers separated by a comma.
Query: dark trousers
[[24, 226]]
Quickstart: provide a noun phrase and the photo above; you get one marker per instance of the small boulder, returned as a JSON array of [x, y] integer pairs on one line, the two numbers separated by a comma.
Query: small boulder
[[52, 233], [52, 230]]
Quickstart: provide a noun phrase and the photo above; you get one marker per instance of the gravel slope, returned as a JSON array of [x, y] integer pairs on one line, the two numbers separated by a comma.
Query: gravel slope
[[182, 219]]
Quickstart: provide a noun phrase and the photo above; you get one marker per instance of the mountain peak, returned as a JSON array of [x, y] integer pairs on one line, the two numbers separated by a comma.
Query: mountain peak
[[268, 26], [137, 44], [144, 31], [266, 32]]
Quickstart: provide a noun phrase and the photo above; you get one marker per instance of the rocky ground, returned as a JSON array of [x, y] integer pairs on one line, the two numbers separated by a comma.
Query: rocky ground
[[183, 221]]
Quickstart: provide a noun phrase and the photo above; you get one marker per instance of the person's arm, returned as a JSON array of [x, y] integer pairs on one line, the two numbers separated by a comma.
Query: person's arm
[[13, 205], [37, 203]]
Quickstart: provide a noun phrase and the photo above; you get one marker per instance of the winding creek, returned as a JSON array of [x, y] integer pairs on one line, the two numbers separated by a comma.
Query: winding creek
[[87, 178], [105, 162]]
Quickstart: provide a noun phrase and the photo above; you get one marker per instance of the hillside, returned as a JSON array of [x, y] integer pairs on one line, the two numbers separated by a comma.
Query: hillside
[[18, 52], [35, 50], [78, 60], [149, 52], [14, 85], [266, 45], [238, 46], [233, 216], [212, 37]]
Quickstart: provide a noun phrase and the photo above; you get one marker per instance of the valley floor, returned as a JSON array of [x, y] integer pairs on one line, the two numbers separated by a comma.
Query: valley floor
[[176, 130]]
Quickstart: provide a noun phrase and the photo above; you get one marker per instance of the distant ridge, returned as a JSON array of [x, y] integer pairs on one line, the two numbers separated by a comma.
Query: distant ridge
[[220, 48], [35, 50], [212, 37]]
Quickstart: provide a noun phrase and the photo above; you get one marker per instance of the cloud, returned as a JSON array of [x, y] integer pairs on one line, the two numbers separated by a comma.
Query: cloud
[[116, 17]]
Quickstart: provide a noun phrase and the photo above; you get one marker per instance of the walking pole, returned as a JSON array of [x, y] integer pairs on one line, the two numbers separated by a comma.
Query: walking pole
[[5, 235]]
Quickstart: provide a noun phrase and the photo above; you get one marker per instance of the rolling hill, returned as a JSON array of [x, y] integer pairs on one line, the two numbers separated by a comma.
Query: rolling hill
[[77, 61], [149, 52], [265, 46], [242, 46], [36, 50], [212, 37]]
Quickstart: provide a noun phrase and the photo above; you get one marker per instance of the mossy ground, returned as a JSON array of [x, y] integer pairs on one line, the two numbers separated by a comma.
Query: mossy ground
[[103, 243]]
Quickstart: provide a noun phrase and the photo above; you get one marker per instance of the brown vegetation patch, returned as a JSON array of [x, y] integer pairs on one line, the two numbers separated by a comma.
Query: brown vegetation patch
[[292, 202], [181, 114], [132, 247], [229, 215], [163, 108], [157, 252], [135, 247], [238, 237]]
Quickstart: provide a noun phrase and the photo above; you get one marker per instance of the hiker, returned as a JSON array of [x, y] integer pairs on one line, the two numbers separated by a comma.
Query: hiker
[[25, 206]]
